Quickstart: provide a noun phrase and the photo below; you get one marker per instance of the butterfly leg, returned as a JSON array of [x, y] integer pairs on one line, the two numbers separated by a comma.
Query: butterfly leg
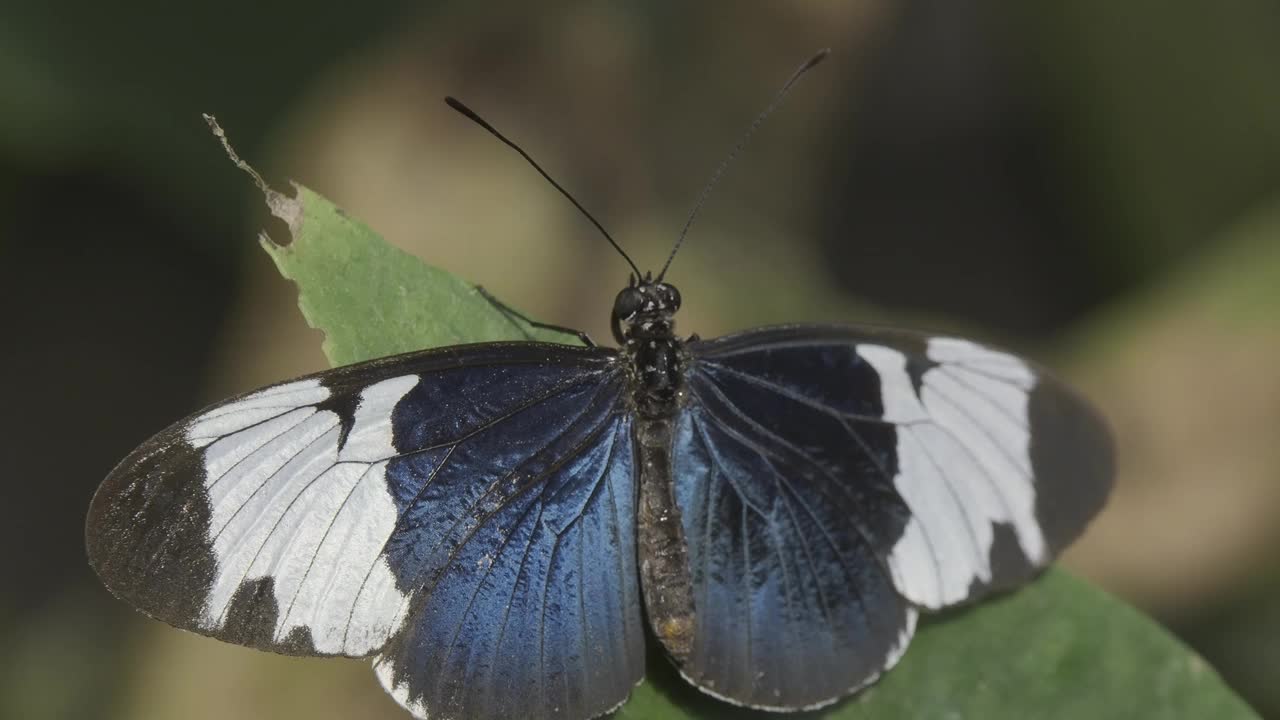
[[514, 315]]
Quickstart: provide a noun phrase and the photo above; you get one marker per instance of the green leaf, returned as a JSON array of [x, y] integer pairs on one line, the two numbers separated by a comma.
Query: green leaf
[[1056, 649], [373, 300]]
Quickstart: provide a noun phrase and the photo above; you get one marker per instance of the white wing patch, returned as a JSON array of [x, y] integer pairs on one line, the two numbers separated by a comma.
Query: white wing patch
[[385, 670], [963, 465], [289, 505], [370, 438], [254, 409], [899, 648]]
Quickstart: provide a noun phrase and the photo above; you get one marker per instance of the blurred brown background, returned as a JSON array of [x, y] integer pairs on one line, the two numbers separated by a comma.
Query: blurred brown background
[[1094, 183]]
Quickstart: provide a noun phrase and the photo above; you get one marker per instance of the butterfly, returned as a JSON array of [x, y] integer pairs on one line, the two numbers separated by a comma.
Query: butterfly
[[501, 526]]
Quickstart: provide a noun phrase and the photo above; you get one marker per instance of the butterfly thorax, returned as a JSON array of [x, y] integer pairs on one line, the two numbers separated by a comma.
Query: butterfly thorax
[[644, 325]]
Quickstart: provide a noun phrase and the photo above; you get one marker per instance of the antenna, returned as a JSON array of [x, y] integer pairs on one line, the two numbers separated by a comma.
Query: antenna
[[715, 177], [473, 117]]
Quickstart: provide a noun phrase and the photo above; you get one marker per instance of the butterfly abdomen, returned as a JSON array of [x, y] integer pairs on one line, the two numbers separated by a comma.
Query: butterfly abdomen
[[665, 581]]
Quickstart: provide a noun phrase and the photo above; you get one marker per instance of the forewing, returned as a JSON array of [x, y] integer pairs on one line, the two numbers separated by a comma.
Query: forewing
[[833, 479], [345, 512]]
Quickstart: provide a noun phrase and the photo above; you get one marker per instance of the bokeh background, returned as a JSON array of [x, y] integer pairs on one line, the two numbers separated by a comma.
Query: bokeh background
[[1094, 183]]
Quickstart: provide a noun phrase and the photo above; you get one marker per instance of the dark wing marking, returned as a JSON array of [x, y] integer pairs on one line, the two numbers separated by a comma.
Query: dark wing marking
[[827, 474], [309, 517]]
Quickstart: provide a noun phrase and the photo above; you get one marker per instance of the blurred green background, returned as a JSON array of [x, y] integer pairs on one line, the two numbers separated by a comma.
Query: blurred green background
[[1094, 183]]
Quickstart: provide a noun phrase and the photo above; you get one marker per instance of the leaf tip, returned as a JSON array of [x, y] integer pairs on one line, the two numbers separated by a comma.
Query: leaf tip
[[282, 206], [273, 248]]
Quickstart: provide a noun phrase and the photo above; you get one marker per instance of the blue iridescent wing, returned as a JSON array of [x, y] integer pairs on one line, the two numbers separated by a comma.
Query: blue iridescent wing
[[527, 541], [834, 481], [464, 515]]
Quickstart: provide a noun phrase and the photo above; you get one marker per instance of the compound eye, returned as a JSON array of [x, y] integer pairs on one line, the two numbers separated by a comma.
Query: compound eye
[[673, 297], [628, 303]]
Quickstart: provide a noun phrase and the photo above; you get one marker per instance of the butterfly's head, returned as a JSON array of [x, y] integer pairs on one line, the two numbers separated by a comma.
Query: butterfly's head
[[644, 309]]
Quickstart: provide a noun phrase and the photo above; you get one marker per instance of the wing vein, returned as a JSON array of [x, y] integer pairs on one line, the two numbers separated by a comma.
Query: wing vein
[[495, 421], [760, 450], [407, 512], [524, 558], [534, 480], [784, 484], [542, 620], [764, 453], [462, 617], [615, 528], [272, 476], [956, 500], [307, 573], [274, 526], [484, 519], [988, 472], [797, 397], [986, 432], [959, 380], [889, 480], [210, 485]]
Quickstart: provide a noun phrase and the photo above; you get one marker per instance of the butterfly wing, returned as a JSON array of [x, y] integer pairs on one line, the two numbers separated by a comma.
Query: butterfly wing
[[465, 514], [532, 607], [834, 480]]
